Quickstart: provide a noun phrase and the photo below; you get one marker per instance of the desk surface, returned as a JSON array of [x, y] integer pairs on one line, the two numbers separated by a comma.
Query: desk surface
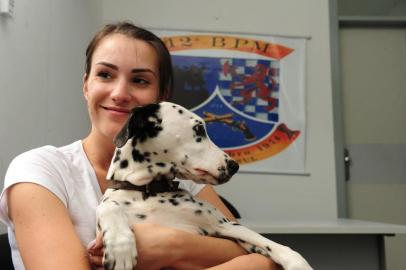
[[334, 226]]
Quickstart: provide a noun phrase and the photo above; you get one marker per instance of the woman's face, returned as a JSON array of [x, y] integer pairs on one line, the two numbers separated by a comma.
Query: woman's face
[[124, 74]]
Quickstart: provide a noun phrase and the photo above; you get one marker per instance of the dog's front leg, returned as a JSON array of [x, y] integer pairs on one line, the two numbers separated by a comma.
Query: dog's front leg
[[255, 243], [120, 251]]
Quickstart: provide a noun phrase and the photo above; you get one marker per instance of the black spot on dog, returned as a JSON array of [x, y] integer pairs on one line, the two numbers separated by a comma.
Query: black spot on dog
[[141, 216], [160, 164], [124, 164], [198, 212], [268, 248], [180, 111], [150, 168], [173, 170], [165, 151], [209, 211], [253, 249], [199, 139], [137, 156], [174, 202], [155, 153], [127, 202], [161, 201], [203, 232]]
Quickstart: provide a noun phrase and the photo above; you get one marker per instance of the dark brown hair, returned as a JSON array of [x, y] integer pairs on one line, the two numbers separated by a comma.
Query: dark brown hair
[[130, 30]]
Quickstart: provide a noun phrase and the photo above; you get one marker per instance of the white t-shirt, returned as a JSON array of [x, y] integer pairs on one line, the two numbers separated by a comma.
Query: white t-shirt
[[67, 173]]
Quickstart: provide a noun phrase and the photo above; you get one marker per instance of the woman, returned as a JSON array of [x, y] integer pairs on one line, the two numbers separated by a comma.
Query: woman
[[51, 193]]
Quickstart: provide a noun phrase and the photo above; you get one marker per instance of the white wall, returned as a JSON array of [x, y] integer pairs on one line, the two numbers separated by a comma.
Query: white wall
[[373, 80], [41, 65], [261, 198], [42, 55]]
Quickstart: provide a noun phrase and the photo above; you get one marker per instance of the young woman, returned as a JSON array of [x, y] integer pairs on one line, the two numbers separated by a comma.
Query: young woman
[[51, 193]]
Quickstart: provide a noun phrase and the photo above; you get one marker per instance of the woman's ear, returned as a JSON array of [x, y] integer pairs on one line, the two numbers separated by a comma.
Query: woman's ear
[[84, 85]]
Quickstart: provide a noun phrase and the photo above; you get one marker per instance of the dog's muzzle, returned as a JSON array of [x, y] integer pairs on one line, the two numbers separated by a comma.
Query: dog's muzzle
[[228, 171], [232, 167]]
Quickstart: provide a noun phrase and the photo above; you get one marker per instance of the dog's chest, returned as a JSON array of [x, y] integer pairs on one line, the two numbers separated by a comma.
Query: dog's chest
[[173, 209]]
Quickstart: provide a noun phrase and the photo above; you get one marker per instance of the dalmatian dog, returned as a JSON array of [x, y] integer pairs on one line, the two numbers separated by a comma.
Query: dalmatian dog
[[159, 143]]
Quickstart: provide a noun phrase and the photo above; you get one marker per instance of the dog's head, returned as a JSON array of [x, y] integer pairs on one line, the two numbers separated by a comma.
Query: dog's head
[[164, 141]]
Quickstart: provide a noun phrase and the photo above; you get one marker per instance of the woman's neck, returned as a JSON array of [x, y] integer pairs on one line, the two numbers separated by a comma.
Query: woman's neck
[[99, 150]]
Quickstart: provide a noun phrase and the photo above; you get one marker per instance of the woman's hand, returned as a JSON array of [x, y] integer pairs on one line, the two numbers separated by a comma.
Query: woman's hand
[[155, 247]]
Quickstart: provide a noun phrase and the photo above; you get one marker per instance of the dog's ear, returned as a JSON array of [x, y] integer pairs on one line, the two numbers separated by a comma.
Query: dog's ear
[[140, 125], [128, 129], [124, 134]]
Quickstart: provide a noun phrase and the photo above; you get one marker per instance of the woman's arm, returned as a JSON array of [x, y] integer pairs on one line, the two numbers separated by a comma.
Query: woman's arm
[[45, 235], [248, 262], [159, 246], [209, 195]]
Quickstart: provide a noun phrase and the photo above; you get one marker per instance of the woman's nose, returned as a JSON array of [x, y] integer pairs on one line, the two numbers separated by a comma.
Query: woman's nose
[[121, 92]]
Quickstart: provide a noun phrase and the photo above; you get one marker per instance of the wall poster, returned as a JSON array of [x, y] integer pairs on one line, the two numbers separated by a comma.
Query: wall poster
[[250, 90]]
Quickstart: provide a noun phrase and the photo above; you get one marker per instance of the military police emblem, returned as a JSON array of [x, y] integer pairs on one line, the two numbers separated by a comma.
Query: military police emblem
[[250, 92]]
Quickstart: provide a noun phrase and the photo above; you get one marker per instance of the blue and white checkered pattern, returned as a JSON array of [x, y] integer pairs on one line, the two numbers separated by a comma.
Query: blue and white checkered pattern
[[234, 71]]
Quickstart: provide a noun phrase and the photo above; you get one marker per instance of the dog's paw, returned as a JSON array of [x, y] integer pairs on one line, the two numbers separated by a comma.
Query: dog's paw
[[119, 252], [291, 260]]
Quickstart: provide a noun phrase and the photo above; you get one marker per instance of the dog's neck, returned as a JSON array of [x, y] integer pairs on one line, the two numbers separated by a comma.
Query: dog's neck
[[150, 189], [145, 167]]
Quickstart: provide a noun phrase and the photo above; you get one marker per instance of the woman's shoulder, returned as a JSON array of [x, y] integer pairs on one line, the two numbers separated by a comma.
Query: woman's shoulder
[[47, 153]]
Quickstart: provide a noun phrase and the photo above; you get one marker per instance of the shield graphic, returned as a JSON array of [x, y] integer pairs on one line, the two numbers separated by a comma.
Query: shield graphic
[[238, 98]]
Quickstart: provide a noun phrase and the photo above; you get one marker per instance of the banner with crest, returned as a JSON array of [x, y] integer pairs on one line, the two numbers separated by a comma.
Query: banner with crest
[[250, 90]]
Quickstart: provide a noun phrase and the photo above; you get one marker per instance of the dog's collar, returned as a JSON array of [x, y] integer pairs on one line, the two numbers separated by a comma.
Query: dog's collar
[[151, 189]]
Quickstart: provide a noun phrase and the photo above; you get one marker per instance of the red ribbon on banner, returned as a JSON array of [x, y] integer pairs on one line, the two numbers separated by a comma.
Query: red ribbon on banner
[[273, 144]]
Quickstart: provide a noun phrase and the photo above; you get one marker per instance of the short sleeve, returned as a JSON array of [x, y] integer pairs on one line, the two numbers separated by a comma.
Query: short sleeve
[[191, 186], [43, 166]]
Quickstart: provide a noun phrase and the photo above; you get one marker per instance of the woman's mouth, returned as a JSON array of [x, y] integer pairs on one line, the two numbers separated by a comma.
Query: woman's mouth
[[117, 110]]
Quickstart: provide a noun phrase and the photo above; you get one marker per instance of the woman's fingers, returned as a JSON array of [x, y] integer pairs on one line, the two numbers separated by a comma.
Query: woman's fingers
[[95, 252], [96, 261]]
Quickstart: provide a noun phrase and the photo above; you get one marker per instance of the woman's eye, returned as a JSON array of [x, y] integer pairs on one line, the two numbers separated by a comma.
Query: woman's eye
[[140, 81], [104, 75]]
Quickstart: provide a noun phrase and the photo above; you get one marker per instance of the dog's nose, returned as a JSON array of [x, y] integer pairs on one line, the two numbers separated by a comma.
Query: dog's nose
[[232, 167]]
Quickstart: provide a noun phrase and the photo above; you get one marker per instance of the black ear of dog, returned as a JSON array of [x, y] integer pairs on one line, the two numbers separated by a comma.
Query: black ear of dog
[[124, 134], [139, 125]]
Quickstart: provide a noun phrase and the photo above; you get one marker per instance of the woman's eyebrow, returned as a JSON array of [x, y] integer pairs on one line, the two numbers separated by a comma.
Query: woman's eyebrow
[[134, 70], [107, 65], [142, 70]]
